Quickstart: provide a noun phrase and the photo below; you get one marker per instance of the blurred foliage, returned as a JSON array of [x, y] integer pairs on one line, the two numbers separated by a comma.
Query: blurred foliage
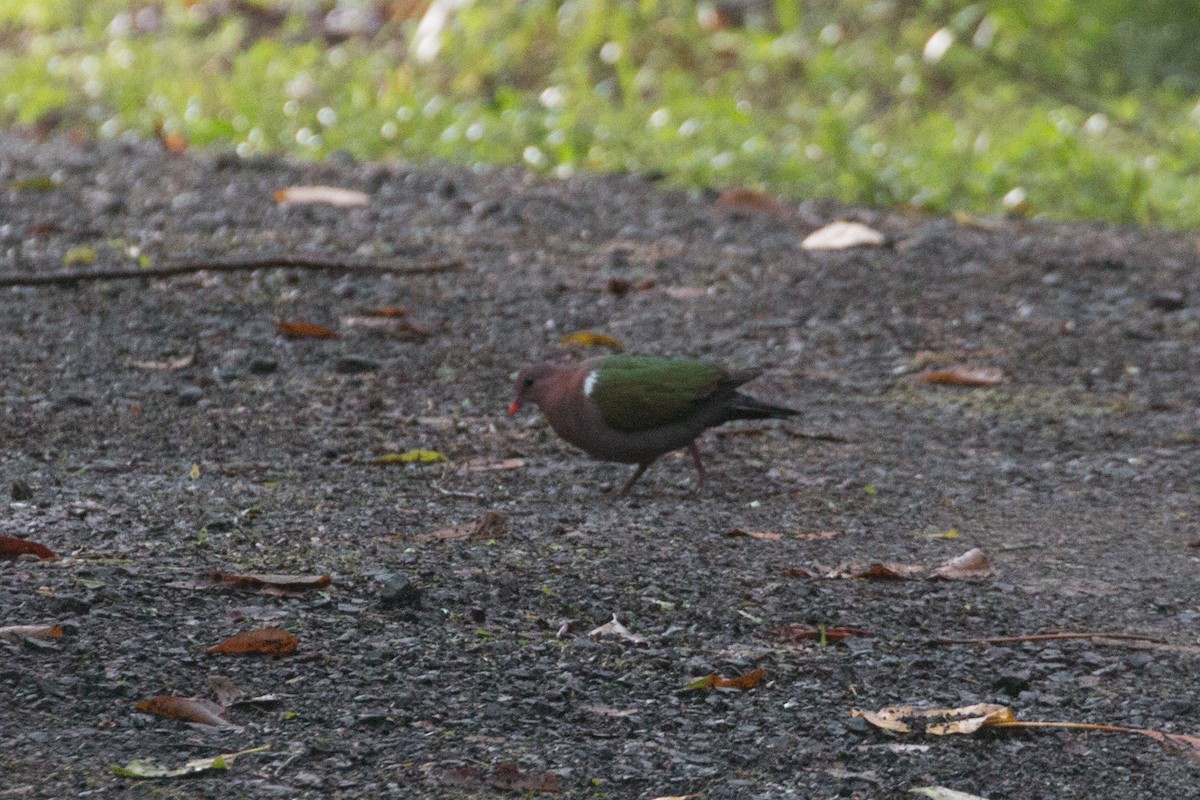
[[1082, 109]]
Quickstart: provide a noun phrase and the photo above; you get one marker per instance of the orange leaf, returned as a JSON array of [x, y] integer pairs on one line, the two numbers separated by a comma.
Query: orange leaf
[[11, 549], [965, 376], [186, 709], [890, 571], [744, 682], [271, 641], [300, 330]]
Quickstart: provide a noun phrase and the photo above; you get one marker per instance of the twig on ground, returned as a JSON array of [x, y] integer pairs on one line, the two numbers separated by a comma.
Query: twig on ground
[[233, 264]]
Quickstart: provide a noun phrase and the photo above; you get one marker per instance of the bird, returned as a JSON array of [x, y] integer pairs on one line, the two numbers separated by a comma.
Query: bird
[[632, 409]]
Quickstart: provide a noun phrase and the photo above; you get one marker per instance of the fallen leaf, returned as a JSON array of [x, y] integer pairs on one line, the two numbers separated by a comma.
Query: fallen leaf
[[186, 709], [398, 327], [304, 330], [483, 465], [965, 376], [385, 311], [841, 236], [505, 777], [744, 682], [144, 768], [11, 549], [590, 339], [614, 628], [950, 534], [269, 641], [269, 583], [942, 793], [80, 256], [818, 535], [971, 564], [14, 633], [322, 195], [968, 719], [797, 633], [740, 200], [166, 366], [411, 457], [36, 184], [765, 535], [492, 525], [194, 472], [887, 571]]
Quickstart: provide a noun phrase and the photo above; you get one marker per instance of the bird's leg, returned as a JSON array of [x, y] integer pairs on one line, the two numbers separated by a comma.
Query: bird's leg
[[695, 451], [628, 487]]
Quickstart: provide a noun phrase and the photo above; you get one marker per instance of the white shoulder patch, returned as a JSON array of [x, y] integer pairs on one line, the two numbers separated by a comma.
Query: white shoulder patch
[[589, 383]]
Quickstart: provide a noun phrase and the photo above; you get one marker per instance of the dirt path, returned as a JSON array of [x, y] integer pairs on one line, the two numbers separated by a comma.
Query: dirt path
[[165, 429]]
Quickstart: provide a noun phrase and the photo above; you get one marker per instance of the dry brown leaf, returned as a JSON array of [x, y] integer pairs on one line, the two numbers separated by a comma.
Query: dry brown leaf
[[614, 628], [741, 200], [11, 549], [186, 709], [260, 641], [971, 564], [304, 330], [967, 719], [268, 583], [798, 633], [965, 376], [492, 525], [591, 339], [743, 682], [841, 236], [323, 195], [885, 571], [505, 777], [770, 536], [14, 633]]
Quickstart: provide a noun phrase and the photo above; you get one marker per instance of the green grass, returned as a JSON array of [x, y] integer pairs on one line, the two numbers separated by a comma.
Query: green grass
[[1088, 108]]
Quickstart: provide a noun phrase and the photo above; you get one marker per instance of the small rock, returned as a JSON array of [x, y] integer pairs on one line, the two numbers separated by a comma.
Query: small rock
[[262, 366], [399, 592], [1168, 300], [190, 395], [355, 365]]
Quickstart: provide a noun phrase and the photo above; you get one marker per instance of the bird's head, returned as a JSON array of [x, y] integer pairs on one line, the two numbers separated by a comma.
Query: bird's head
[[531, 386]]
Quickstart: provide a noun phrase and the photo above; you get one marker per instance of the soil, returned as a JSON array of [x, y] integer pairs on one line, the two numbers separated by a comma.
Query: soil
[[155, 431]]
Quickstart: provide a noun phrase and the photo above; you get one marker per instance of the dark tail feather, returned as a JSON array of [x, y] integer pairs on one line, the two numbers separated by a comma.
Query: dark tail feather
[[745, 407]]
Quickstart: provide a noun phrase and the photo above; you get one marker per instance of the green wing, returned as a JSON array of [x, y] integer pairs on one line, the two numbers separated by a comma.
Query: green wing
[[637, 393]]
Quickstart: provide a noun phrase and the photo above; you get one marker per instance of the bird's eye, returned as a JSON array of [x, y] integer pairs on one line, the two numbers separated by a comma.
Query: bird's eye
[[528, 382]]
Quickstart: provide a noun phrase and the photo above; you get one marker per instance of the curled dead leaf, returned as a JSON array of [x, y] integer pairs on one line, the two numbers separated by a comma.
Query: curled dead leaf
[[967, 719], [267, 583], [260, 641], [965, 376], [186, 709], [11, 549], [304, 330]]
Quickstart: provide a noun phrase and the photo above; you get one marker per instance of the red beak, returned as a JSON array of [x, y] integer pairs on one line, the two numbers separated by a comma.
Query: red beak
[[514, 408]]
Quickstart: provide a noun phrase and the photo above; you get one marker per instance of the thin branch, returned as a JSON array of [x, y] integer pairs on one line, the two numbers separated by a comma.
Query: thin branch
[[234, 264], [1043, 637]]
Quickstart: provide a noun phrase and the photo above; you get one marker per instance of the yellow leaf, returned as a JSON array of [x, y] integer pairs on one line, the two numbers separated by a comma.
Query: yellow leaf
[[591, 339], [194, 472], [80, 256], [411, 457]]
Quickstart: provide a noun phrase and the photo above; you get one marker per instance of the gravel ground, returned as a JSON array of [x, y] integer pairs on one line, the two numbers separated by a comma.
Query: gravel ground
[[157, 430]]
